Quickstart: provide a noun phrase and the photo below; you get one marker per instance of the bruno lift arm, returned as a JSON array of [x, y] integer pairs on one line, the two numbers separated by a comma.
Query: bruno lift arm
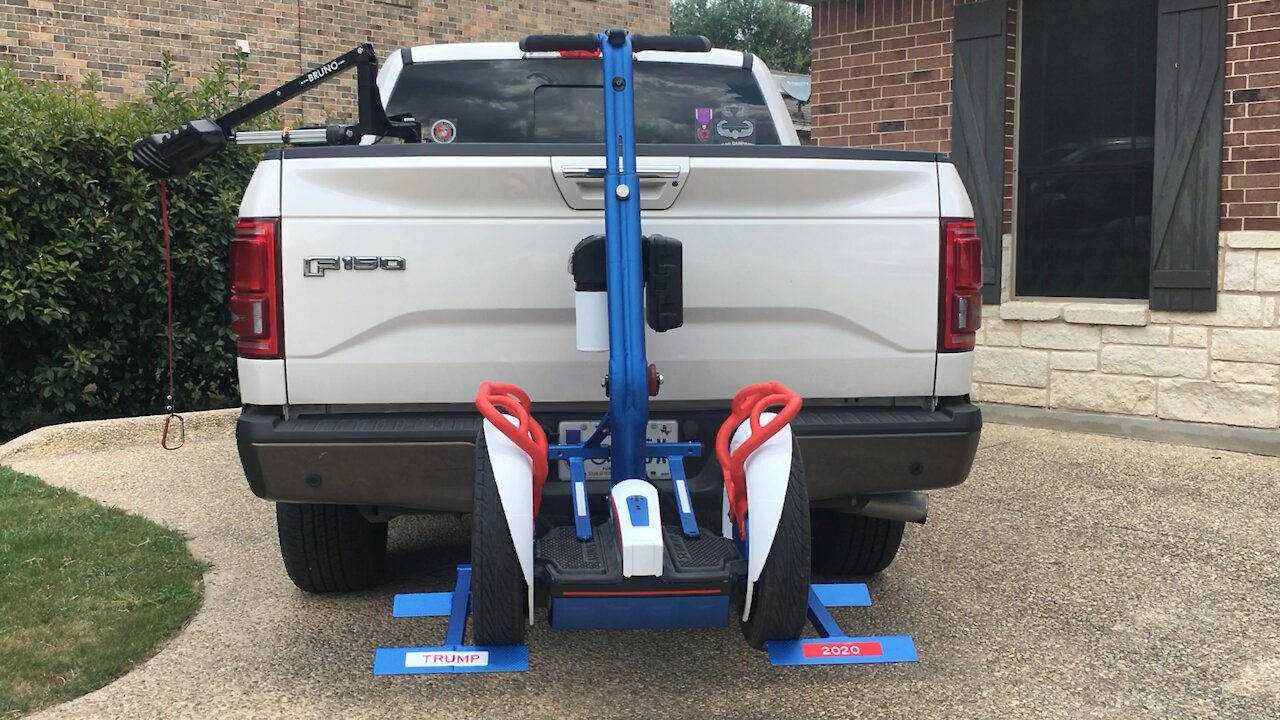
[[177, 151]]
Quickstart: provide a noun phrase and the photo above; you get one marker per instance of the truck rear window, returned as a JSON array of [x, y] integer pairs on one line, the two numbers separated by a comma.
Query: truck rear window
[[559, 100]]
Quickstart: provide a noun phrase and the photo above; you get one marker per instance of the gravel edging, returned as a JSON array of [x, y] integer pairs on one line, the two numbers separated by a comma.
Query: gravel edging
[[94, 435]]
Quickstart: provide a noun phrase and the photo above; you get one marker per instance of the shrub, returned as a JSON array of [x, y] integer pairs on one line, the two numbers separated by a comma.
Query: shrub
[[82, 289]]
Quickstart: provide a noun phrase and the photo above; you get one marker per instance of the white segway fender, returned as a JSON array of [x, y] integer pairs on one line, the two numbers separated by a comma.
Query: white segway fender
[[768, 471], [513, 473]]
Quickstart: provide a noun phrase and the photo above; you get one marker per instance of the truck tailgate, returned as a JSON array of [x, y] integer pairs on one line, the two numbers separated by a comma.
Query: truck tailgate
[[819, 272]]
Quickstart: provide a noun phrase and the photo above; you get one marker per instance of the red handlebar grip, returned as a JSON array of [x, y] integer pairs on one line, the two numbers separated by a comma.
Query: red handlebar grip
[[495, 398], [748, 404]]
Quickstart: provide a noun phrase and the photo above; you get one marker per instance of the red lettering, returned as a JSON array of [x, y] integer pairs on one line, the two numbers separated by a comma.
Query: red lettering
[[446, 658]]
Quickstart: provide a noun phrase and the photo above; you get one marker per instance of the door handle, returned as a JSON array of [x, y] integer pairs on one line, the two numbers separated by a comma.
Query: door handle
[[657, 172]]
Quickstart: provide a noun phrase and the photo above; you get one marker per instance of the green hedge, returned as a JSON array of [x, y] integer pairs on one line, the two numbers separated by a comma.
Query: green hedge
[[82, 293]]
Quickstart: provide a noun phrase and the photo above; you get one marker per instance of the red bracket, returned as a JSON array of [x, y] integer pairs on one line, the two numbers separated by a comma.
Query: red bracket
[[495, 399], [747, 405]]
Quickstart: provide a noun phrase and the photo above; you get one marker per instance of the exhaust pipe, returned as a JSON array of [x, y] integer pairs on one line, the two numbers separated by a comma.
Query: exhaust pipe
[[910, 507]]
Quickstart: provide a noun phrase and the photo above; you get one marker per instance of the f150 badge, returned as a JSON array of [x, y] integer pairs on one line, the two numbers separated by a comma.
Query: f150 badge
[[318, 265]]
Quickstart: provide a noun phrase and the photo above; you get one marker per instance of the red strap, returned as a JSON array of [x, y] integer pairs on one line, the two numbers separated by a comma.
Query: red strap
[[168, 281], [492, 401], [748, 404]]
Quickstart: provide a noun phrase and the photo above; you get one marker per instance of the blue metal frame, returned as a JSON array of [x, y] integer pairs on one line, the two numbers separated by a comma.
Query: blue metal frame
[[453, 656], [627, 420], [832, 646], [577, 453], [581, 503], [569, 451], [628, 368], [684, 503], [433, 604]]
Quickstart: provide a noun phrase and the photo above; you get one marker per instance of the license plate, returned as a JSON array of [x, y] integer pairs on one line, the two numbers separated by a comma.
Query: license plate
[[659, 431]]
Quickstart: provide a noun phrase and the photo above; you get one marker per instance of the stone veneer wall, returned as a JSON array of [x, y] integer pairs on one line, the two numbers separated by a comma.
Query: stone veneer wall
[[1119, 357]]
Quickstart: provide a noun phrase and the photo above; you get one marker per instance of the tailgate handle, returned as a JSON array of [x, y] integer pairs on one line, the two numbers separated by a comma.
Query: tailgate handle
[[664, 172]]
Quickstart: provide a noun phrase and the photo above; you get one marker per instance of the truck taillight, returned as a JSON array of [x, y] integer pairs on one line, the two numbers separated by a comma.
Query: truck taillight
[[255, 288], [960, 286]]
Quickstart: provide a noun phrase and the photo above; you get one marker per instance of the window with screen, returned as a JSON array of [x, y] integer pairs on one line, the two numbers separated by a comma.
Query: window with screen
[[1085, 148], [560, 100]]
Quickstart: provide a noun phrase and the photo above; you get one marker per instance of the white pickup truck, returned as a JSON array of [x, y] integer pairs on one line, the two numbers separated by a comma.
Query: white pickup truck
[[375, 287]]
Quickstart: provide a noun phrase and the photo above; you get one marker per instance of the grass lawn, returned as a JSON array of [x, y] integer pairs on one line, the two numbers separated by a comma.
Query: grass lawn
[[86, 592]]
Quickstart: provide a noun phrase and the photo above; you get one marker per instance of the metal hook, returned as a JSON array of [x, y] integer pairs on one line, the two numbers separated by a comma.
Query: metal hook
[[167, 432]]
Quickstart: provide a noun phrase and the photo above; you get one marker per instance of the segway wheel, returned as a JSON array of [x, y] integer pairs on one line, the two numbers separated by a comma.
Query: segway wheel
[[780, 601], [498, 591]]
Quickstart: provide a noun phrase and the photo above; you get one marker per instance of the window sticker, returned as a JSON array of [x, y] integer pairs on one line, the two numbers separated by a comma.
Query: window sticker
[[734, 127], [443, 131], [702, 116]]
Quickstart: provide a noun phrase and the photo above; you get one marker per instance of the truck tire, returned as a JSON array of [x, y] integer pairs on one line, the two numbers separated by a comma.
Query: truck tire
[[498, 592], [330, 548], [853, 545], [780, 601]]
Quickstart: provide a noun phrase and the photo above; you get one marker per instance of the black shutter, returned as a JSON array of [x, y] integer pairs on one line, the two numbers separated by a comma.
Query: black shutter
[[977, 125], [1188, 155]]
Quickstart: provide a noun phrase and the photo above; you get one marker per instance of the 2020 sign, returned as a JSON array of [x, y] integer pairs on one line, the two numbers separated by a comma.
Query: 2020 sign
[[843, 649]]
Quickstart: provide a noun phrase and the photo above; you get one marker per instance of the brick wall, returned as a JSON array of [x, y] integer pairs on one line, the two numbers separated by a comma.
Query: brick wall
[[1251, 167], [882, 72], [881, 75], [122, 40]]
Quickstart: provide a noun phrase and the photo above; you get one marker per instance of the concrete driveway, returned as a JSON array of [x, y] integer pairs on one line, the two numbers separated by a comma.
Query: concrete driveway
[[1072, 576]]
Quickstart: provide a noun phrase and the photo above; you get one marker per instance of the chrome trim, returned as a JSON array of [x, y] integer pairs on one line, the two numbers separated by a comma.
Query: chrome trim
[[307, 136], [663, 172]]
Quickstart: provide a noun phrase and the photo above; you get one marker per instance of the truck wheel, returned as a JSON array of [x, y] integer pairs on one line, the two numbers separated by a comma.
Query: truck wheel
[[780, 601], [498, 592], [853, 545], [330, 548]]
